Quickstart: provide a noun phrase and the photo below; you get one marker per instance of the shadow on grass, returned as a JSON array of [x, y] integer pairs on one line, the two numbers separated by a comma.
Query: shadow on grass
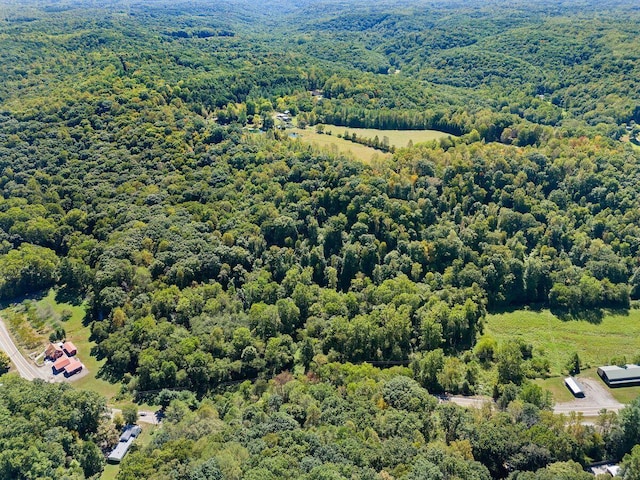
[[34, 297], [591, 315], [534, 307], [107, 374], [70, 296]]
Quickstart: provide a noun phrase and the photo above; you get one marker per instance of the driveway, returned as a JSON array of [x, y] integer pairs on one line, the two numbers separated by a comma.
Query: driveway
[[596, 398], [25, 367], [144, 416]]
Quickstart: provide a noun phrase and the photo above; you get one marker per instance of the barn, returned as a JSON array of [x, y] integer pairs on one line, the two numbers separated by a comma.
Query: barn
[[620, 376]]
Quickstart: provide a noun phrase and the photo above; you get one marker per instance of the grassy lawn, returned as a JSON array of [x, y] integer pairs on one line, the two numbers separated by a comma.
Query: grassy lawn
[[110, 472], [338, 145], [398, 138], [557, 388], [79, 335], [557, 339]]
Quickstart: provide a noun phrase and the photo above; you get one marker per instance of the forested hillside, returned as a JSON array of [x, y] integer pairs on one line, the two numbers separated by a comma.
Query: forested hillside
[[140, 170]]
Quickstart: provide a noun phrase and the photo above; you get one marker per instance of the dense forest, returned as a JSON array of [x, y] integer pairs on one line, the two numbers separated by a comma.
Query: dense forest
[[215, 261]]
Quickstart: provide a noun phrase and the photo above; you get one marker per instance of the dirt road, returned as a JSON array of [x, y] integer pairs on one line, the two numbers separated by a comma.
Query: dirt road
[[597, 397], [25, 367]]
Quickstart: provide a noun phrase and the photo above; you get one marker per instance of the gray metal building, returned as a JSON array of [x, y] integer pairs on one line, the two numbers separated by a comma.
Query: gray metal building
[[620, 376]]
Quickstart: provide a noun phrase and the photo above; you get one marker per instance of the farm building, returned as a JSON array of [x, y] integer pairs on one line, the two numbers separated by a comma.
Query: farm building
[[73, 367], [53, 352], [129, 434], [575, 388], [60, 364], [70, 349], [616, 376]]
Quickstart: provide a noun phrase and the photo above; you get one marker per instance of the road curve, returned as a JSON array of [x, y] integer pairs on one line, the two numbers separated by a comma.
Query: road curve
[[25, 368]]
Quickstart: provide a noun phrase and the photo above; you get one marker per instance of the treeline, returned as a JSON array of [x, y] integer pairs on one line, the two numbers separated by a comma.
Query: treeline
[[51, 430], [346, 421], [237, 278]]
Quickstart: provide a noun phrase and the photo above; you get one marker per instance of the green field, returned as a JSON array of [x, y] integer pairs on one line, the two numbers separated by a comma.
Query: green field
[[397, 138], [79, 335], [338, 145], [557, 340], [561, 393]]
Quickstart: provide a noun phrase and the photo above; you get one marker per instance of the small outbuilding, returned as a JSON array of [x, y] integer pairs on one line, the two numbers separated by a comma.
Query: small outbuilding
[[575, 388], [53, 352], [620, 376], [69, 348]]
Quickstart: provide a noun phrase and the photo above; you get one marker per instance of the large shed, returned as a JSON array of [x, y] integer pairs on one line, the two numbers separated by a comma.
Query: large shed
[[620, 376], [573, 385]]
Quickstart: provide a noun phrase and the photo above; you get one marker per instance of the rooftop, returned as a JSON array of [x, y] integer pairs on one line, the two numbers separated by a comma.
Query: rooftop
[[73, 366], [61, 363], [120, 451], [615, 372]]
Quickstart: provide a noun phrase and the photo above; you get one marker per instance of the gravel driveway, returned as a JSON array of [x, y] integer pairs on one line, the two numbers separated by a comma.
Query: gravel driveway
[[596, 398]]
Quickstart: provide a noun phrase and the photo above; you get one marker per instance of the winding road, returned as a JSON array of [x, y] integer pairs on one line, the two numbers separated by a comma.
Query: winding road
[[25, 368]]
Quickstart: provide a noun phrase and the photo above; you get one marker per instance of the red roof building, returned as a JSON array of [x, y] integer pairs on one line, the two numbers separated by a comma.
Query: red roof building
[[61, 364], [53, 352], [70, 349], [74, 367]]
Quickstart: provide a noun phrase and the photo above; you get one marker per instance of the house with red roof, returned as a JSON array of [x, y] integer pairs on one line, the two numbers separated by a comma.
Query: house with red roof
[[53, 352], [60, 364], [69, 348], [73, 367]]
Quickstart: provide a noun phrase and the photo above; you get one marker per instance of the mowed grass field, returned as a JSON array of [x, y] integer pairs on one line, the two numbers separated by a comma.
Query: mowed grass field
[[557, 340], [79, 335], [338, 145], [399, 138]]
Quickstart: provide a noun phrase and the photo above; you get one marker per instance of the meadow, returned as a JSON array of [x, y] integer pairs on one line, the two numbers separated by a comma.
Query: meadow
[[597, 343], [338, 145], [397, 138]]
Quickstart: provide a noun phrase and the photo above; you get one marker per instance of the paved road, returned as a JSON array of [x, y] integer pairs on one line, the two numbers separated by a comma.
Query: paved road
[[25, 368], [475, 402]]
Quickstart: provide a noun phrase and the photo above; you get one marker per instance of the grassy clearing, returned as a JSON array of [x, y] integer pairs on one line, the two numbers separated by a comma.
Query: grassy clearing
[[556, 339], [557, 388], [338, 145], [79, 335], [397, 138], [110, 472]]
